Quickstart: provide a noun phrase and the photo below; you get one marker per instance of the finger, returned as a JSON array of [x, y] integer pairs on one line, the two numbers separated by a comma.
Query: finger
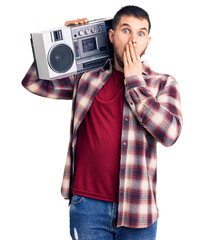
[[125, 58], [85, 20], [67, 23], [71, 22], [137, 52], [76, 22], [128, 57], [82, 20], [132, 52]]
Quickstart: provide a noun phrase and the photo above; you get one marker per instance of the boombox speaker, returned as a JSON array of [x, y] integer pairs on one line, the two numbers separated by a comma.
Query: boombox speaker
[[65, 51]]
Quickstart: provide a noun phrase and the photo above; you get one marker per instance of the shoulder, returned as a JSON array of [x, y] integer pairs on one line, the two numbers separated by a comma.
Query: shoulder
[[96, 73], [159, 82], [103, 71], [155, 76]]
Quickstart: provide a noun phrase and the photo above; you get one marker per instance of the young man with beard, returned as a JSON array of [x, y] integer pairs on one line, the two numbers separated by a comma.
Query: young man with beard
[[120, 112]]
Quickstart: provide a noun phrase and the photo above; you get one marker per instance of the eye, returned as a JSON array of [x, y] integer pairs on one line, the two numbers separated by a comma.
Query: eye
[[141, 34], [126, 30]]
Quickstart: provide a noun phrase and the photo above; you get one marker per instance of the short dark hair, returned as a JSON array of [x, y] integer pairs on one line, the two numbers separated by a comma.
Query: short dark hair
[[130, 10]]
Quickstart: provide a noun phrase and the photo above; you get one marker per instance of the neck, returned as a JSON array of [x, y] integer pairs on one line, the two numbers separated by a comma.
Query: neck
[[117, 66]]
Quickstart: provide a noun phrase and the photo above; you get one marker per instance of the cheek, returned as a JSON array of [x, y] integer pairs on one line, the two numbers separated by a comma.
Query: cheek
[[119, 47], [142, 45], [120, 42]]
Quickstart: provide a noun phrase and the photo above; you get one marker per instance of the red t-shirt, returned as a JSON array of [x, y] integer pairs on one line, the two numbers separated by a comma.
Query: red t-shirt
[[98, 144]]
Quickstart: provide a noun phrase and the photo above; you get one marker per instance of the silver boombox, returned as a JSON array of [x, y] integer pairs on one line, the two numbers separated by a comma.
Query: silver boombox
[[69, 50]]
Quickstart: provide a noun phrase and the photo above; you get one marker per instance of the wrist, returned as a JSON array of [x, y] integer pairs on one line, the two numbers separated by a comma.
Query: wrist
[[135, 81]]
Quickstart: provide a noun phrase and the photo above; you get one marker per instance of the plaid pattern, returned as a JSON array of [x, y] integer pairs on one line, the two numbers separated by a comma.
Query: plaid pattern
[[151, 114]]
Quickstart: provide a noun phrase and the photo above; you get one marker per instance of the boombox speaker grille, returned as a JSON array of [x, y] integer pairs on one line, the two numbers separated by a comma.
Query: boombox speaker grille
[[60, 58]]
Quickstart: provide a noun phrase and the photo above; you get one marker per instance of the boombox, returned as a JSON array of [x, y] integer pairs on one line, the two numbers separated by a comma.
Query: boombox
[[69, 50]]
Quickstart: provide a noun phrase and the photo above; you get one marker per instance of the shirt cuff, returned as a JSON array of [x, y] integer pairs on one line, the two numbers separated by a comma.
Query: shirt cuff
[[135, 81]]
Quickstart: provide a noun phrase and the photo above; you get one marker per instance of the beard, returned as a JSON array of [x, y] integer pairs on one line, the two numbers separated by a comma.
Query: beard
[[119, 58]]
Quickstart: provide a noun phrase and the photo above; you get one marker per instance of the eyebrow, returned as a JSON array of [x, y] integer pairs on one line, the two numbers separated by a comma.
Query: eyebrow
[[126, 24]]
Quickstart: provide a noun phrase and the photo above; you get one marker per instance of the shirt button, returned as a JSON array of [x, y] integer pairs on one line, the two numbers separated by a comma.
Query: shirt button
[[124, 145], [123, 171], [131, 103], [125, 122]]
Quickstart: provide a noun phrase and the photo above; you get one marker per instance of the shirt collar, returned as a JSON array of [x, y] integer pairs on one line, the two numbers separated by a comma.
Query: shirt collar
[[146, 68], [109, 66]]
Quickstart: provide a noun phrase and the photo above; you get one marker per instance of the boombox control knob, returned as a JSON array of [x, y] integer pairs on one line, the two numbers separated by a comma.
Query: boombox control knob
[[93, 30], [81, 33], [87, 31]]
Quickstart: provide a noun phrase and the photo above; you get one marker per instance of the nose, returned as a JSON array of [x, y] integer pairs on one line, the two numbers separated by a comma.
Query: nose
[[133, 38]]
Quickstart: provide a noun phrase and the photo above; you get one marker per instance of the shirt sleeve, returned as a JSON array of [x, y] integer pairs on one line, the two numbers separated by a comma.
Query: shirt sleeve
[[160, 115], [57, 89]]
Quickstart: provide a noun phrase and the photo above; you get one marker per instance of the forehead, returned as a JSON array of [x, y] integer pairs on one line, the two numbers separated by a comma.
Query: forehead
[[133, 22]]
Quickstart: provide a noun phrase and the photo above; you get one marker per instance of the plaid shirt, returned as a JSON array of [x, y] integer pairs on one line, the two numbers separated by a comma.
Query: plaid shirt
[[151, 114]]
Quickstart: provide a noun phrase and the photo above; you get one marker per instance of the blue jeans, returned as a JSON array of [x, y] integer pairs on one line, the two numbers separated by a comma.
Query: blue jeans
[[92, 219]]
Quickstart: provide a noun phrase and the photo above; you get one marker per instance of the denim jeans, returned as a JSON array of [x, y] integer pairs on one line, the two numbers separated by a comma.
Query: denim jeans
[[92, 219]]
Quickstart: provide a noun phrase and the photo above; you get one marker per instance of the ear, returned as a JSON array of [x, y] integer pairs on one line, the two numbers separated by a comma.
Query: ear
[[148, 40], [111, 35]]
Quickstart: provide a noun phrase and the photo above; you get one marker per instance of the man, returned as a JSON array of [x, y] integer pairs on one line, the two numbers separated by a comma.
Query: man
[[120, 112]]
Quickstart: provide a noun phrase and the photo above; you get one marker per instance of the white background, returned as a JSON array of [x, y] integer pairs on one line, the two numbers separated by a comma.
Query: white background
[[34, 131]]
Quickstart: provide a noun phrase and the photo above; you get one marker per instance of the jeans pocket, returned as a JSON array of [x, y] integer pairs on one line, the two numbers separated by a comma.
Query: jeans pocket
[[76, 199]]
